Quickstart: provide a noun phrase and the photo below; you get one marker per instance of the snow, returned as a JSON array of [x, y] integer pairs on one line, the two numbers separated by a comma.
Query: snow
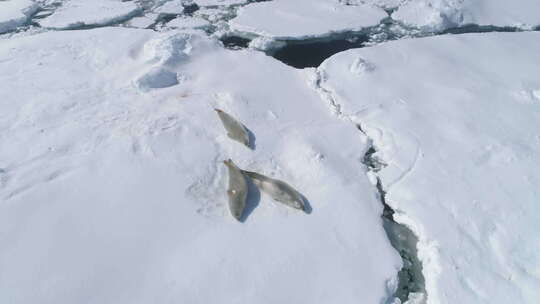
[[214, 14], [143, 22], [188, 22], [219, 2], [457, 123], [114, 193], [78, 13], [113, 190], [172, 7], [14, 13], [436, 15], [283, 19]]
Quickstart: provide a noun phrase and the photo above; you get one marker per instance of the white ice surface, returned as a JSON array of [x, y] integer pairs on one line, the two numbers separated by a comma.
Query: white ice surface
[[219, 2], [172, 7], [109, 194], [14, 13], [457, 120], [143, 21], [188, 22], [304, 18], [77, 13], [435, 15]]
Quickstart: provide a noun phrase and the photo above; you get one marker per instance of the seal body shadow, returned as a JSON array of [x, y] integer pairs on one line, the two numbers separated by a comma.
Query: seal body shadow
[[238, 190], [278, 190], [235, 130]]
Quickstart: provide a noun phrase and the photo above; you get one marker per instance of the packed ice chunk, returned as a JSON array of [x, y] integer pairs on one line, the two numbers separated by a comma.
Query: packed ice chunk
[[173, 7], [429, 15], [80, 13], [143, 21], [14, 13]]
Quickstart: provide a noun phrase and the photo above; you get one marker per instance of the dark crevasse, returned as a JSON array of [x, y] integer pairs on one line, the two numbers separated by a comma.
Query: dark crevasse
[[410, 277], [312, 54], [235, 42]]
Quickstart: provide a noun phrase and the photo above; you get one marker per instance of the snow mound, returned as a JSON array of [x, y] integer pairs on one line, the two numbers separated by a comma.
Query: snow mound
[[157, 78], [457, 125], [164, 53], [283, 19], [80, 13], [168, 49], [14, 13]]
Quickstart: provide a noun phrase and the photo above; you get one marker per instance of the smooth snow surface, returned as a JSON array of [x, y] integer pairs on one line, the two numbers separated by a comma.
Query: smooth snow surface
[[284, 19], [80, 13], [14, 13], [113, 193], [457, 123]]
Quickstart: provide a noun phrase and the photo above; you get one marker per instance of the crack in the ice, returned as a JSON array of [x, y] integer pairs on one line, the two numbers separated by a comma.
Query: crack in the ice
[[326, 94], [411, 280]]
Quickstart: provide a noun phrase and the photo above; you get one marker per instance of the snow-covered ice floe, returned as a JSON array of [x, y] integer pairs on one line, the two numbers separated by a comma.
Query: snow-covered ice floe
[[188, 23], [14, 13], [143, 22], [79, 13], [113, 194], [436, 15], [457, 123], [301, 19], [219, 2], [171, 7]]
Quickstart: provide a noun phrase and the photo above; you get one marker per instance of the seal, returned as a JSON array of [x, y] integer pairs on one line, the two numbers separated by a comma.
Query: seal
[[237, 191], [235, 130], [278, 190]]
